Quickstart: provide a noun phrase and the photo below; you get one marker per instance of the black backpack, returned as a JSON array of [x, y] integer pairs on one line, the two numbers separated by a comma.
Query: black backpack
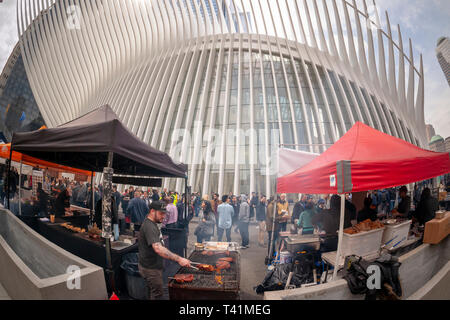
[[355, 274]]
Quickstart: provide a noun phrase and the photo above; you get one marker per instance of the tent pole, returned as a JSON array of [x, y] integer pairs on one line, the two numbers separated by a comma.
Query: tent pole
[[185, 198], [91, 218], [186, 208], [20, 188], [341, 232], [269, 256], [8, 180], [107, 216]]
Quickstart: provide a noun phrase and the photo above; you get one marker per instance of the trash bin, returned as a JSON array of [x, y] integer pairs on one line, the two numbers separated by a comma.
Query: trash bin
[[136, 286]]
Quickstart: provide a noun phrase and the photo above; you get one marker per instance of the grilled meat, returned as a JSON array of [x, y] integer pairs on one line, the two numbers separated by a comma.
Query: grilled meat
[[206, 267], [184, 278], [222, 265]]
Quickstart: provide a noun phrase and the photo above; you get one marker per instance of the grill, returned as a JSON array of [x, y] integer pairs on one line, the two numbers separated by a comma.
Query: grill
[[205, 286]]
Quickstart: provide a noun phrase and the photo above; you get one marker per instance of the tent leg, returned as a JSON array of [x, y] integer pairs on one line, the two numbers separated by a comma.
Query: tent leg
[[107, 217], [91, 218], [341, 232], [269, 255], [186, 208], [185, 198], [20, 189], [8, 180]]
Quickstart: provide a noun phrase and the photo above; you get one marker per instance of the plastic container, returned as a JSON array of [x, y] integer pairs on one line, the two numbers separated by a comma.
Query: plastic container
[[302, 242], [395, 235], [362, 244], [136, 286]]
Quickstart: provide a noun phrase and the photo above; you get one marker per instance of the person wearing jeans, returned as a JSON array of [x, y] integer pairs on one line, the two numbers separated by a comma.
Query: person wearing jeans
[[225, 213]]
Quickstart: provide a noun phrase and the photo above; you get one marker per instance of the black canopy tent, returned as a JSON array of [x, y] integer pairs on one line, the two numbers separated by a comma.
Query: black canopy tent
[[98, 141], [85, 142]]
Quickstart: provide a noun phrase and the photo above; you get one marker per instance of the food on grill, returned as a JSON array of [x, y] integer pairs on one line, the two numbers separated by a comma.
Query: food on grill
[[366, 225], [222, 265], [219, 279], [206, 267], [226, 259], [183, 278], [207, 253], [227, 253]]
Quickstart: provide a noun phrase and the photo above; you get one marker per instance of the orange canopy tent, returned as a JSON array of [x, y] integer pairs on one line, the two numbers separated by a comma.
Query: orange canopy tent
[[5, 150]]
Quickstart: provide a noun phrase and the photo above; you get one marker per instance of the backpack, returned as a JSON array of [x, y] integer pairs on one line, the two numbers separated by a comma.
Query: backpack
[[356, 276]]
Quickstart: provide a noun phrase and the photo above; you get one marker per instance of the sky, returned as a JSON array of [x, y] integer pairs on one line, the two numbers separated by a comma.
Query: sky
[[424, 21]]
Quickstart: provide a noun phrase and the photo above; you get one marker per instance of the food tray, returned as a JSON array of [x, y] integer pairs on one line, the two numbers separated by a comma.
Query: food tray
[[221, 246], [302, 242], [361, 244]]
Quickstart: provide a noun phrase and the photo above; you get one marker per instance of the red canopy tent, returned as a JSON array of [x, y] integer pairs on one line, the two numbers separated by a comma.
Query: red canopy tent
[[365, 159]]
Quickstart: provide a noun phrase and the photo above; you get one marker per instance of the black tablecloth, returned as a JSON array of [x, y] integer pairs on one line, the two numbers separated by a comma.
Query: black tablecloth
[[79, 220], [88, 249]]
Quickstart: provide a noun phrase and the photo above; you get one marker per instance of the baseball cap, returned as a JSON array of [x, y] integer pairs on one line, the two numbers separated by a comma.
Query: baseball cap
[[158, 206]]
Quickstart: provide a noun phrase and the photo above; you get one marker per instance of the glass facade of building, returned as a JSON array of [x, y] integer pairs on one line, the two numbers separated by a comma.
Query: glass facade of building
[[223, 85], [287, 118], [18, 108]]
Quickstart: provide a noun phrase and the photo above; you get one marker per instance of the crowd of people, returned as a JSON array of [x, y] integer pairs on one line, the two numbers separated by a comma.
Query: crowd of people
[[222, 217], [322, 213]]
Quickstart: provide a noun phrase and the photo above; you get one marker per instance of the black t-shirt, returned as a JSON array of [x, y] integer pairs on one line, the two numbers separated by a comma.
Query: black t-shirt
[[155, 197], [148, 235]]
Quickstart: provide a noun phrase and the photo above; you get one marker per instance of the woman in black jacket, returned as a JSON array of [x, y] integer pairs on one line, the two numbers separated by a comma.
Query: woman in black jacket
[[205, 228], [329, 221], [427, 207], [367, 212]]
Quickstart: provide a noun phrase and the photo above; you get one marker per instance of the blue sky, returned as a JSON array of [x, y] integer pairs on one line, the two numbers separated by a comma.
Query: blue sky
[[422, 20]]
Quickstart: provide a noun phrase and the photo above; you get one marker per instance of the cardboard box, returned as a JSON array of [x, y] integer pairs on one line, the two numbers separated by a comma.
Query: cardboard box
[[437, 230]]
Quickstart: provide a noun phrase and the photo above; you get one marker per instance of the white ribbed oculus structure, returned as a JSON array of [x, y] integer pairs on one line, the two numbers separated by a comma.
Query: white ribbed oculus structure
[[222, 84]]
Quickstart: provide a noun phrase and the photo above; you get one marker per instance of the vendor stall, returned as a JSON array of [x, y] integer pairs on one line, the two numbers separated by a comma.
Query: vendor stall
[[98, 142], [363, 159], [85, 246], [30, 166]]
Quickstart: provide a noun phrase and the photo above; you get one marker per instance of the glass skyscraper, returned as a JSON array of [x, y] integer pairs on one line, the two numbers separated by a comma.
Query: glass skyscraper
[[19, 111]]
